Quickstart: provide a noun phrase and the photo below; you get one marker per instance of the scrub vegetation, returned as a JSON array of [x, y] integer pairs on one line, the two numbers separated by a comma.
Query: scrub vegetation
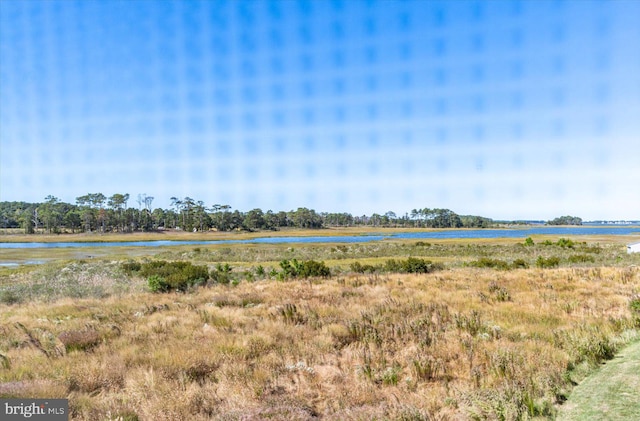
[[385, 330]]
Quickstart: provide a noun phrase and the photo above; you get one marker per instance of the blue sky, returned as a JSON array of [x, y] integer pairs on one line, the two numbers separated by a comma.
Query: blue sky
[[507, 109]]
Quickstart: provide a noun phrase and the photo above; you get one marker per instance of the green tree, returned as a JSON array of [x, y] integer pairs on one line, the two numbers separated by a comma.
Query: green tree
[[118, 203], [25, 219], [254, 219], [306, 218], [566, 220], [93, 210], [51, 213]]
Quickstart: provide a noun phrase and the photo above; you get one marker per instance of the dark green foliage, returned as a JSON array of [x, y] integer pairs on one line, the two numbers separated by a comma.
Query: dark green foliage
[[289, 268], [97, 212], [166, 276], [471, 221], [562, 242], [565, 242], [306, 269], [566, 220], [131, 267], [360, 268], [221, 274], [549, 262], [411, 265], [529, 242], [393, 265], [312, 268]]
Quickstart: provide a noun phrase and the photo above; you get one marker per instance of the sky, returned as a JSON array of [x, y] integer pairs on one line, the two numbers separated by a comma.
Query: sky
[[506, 109]]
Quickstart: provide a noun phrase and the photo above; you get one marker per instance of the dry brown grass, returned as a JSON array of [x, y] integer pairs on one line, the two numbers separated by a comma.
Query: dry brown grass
[[448, 345]]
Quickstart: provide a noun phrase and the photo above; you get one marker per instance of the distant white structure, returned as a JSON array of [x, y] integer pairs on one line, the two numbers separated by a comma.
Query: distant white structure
[[633, 248]]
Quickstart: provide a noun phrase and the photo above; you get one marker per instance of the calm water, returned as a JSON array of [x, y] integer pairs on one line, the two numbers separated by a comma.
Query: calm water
[[480, 233]]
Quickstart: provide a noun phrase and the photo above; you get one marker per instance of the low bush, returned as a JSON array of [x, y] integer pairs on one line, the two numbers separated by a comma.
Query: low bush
[[360, 268], [130, 268], [221, 274], [549, 262], [305, 269], [565, 243], [412, 265], [166, 276], [519, 264]]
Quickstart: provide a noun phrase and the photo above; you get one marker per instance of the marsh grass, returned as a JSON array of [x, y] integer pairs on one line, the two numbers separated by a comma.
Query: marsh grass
[[487, 342], [78, 279], [462, 342]]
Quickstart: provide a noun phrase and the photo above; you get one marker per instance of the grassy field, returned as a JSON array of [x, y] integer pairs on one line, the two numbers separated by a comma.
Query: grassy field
[[612, 393], [490, 333]]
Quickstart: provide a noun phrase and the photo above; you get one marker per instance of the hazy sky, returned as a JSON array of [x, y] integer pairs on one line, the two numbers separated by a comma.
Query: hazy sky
[[507, 109]]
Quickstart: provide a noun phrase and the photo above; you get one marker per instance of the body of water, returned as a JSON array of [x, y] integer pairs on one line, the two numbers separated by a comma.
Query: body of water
[[444, 234]]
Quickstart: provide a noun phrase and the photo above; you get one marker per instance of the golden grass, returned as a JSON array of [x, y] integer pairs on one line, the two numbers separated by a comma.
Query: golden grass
[[438, 346]]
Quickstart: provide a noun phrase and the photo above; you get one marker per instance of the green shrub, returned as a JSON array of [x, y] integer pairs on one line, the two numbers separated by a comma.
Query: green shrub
[[164, 276], [131, 267], [562, 242], [311, 268], [529, 242], [565, 242], [549, 262], [306, 269], [360, 268], [289, 268], [157, 283], [221, 274], [519, 264], [412, 265]]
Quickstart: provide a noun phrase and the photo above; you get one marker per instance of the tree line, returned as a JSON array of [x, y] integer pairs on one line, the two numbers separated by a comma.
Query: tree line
[[565, 220], [95, 212]]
